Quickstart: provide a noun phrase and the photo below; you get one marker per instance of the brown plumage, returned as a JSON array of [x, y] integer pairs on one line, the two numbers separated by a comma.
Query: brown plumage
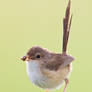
[[66, 27], [59, 61], [54, 67], [50, 60], [55, 60]]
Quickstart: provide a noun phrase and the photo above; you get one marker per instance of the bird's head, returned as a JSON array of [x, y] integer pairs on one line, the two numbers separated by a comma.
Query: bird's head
[[36, 53]]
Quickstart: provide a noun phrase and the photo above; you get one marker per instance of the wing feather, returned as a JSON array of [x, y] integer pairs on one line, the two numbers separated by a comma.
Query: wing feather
[[59, 61]]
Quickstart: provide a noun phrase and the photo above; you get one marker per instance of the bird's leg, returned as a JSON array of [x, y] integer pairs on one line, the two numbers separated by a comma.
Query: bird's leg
[[66, 83]]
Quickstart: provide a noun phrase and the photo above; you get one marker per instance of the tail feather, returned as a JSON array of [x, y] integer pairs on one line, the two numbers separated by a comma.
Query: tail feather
[[66, 27]]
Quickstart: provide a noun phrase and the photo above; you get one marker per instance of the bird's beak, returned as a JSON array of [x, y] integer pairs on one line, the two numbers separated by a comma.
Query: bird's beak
[[25, 58]]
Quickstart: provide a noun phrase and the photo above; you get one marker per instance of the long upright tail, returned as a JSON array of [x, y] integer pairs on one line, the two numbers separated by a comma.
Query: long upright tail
[[66, 27]]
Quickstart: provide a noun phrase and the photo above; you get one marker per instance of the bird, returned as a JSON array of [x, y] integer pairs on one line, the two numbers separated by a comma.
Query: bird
[[47, 69]]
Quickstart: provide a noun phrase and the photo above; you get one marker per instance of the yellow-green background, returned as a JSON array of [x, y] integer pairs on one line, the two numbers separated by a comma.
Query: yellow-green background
[[24, 23]]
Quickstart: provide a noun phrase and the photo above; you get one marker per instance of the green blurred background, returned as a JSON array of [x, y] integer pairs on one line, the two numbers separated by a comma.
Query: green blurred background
[[25, 23]]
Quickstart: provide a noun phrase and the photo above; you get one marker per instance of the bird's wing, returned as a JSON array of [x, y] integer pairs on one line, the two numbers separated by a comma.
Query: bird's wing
[[59, 61]]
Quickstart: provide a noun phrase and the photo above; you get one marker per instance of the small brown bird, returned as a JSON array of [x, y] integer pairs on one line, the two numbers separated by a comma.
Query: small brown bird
[[49, 70]]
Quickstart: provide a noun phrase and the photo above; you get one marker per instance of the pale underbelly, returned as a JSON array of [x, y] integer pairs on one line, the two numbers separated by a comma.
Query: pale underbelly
[[44, 82], [47, 79]]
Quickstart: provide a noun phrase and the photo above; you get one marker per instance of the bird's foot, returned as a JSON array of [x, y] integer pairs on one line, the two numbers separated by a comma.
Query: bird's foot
[[66, 83]]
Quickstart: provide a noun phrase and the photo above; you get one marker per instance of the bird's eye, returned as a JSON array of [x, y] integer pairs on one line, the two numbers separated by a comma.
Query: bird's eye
[[38, 56]]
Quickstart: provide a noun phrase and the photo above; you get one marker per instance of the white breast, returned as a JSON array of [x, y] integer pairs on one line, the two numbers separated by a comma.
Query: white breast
[[42, 80], [35, 74]]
